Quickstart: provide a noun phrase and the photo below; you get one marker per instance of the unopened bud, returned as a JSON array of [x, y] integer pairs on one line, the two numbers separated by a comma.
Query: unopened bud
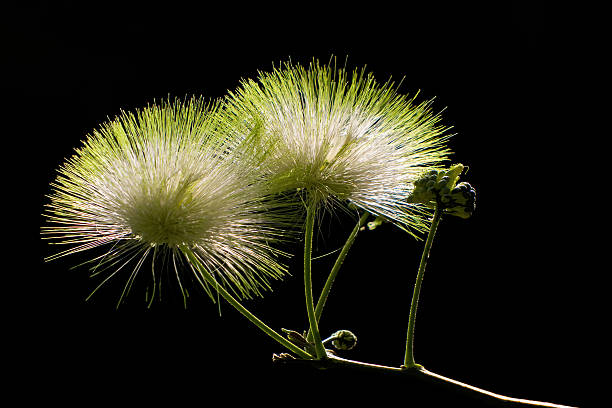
[[343, 340], [372, 225], [462, 201], [439, 188]]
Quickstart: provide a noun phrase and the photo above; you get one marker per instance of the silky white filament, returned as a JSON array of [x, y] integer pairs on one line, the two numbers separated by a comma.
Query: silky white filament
[[164, 178], [342, 137]]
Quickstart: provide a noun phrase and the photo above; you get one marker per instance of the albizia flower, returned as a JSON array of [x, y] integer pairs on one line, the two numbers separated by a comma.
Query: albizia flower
[[163, 180], [342, 137]]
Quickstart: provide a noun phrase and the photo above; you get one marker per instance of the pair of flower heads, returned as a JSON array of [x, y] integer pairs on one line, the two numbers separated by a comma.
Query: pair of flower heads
[[218, 187]]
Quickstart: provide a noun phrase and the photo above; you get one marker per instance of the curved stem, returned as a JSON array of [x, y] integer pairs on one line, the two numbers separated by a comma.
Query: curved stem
[[245, 312], [336, 268], [314, 327], [409, 357], [337, 265]]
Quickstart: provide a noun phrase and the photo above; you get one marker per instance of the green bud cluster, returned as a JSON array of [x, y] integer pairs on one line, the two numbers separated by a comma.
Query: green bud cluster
[[440, 188]]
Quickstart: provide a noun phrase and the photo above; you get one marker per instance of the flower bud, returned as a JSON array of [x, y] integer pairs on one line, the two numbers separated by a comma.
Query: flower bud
[[462, 201], [372, 225], [440, 188], [344, 340]]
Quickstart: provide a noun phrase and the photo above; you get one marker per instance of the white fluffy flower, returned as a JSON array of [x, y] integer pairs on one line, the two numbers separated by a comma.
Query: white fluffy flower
[[342, 137], [164, 179]]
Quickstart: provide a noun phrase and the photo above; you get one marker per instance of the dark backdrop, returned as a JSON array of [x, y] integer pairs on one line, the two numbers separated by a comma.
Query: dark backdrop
[[498, 307]]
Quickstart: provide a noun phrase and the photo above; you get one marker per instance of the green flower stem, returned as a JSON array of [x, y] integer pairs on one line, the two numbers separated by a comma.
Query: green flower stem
[[245, 312], [336, 268], [409, 358], [314, 327], [337, 265]]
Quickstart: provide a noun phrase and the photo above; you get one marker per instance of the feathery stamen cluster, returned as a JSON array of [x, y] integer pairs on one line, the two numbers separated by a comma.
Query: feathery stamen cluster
[[342, 137], [213, 178], [165, 178]]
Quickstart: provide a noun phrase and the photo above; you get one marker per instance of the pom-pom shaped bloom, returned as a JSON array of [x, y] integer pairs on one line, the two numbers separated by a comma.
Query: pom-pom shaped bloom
[[342, 136], [164, 180]]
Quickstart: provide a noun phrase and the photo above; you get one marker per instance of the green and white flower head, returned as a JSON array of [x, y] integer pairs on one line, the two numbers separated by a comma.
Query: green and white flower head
[[161, 180], [342, 137]]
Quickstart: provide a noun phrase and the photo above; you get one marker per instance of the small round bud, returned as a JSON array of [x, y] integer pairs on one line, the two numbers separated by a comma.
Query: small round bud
[[442, 183], [462, 201], [344, 340], [372, 225]]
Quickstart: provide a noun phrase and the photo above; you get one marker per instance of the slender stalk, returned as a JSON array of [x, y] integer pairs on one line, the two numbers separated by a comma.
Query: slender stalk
[[337, 265], [334, 272], [245, 312], [409, 357], [314, 327]]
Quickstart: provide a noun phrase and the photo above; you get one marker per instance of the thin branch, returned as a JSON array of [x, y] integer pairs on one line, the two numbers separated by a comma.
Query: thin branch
[[335, 362]]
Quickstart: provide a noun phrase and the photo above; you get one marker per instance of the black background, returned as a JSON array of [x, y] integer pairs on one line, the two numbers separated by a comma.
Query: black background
[[501, 302]]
